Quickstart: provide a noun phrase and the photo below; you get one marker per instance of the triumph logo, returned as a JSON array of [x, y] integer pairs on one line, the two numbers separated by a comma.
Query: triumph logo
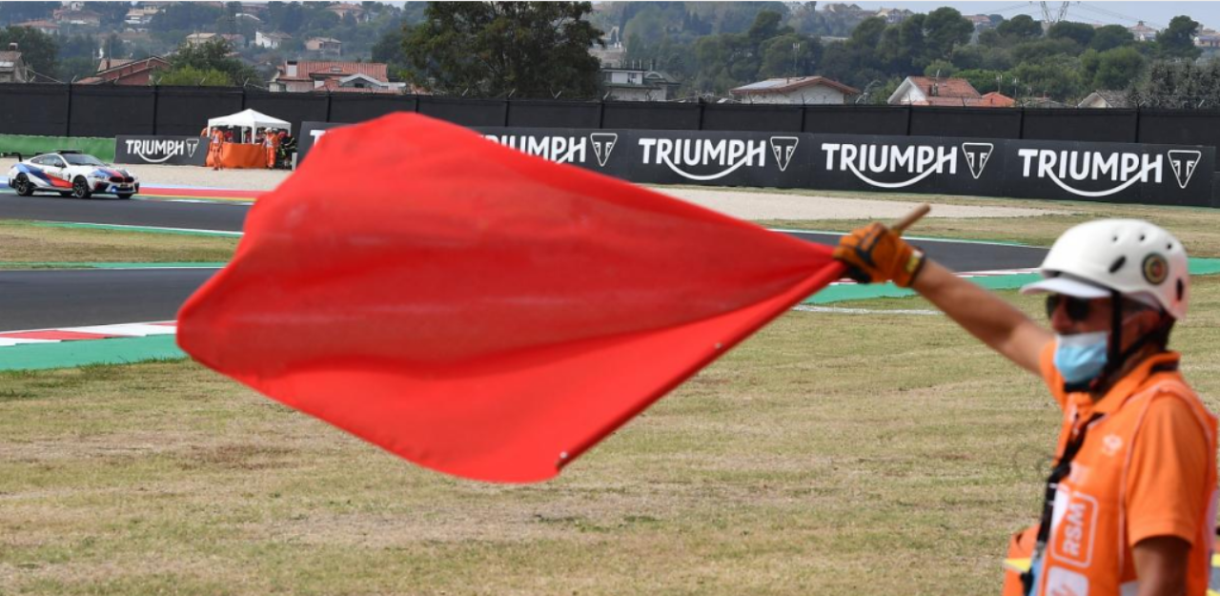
[[917, 161], [727, 154], [1183, 163], [161, 150], [1121, 168], [977, 155], [603, 144], [784, 148], [559, 149]]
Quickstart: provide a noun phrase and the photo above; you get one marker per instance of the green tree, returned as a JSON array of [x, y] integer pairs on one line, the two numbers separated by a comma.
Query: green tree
[[532, 49], [1078, 32], [113, 13], [903, 48], [1057, 78], [114, 47], [1110, 37], [1118, 68], [185, 16], [75, 69], [1043, 49], [212, 56], [941, 68], [189, 76], [945, 28], [77, 46], [1178, 40], [766, 25], [791, 55], [990, 38], [867, 34], [1019, 28], [739, 17], [38, 50], [19, 12], [389, 50], [985, 81], [648, 24]]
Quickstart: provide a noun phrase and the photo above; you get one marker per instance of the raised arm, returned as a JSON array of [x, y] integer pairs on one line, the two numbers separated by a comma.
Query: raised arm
[[984, 315], [876, 254]]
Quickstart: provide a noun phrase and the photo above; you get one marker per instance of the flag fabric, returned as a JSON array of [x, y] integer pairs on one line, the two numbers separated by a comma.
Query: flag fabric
[[477, 310]]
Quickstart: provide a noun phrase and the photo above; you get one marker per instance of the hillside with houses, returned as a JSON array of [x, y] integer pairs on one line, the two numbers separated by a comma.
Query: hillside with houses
[[744, 52]]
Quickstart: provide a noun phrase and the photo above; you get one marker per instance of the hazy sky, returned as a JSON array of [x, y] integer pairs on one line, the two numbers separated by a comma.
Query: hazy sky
[[1157, 14]]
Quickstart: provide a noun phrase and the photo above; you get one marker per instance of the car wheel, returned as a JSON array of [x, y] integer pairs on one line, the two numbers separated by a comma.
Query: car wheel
[[80, 188], [22, 186], [125, 195]]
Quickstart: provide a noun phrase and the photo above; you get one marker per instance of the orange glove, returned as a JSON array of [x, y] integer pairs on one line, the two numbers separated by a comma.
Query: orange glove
[[875, 254]]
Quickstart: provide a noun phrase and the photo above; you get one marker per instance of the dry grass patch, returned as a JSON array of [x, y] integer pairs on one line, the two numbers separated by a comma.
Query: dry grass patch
[[24, 242], [1195, 226], [831, 454]]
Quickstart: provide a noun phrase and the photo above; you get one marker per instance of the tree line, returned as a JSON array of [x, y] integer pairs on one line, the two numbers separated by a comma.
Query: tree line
[[496, 49], [541, 49]]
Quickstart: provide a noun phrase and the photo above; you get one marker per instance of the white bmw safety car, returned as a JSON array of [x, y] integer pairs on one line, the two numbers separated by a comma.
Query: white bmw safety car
[[71, 174]]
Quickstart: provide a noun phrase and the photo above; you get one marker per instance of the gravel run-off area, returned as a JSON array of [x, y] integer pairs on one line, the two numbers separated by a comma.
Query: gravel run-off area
[[751, 205]]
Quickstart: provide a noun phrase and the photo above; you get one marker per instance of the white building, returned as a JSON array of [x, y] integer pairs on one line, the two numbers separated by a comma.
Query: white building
[[796, 90], [271, 40], [1105, 99], [937, 91], [326, 46], [12, 66], [1142, 32], [637, 84]]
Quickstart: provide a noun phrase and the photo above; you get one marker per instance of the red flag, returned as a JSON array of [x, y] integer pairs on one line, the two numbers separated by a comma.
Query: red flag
[[480, 311]]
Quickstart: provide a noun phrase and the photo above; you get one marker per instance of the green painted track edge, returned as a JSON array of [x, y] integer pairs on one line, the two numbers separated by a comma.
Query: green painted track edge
[[122, 350]]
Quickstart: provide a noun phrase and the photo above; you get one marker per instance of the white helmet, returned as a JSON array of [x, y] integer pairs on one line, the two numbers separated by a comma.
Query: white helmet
[[1131, 256]]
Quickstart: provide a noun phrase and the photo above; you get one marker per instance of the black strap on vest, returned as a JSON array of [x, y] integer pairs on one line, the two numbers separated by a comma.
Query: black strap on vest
[[1062, 469]]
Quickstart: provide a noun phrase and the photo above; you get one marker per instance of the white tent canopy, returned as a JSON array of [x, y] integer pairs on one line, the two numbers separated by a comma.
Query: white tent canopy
[[250, 119]]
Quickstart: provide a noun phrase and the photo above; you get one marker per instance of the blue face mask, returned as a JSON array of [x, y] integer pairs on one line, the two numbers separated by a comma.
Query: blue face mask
[[1082, 356]]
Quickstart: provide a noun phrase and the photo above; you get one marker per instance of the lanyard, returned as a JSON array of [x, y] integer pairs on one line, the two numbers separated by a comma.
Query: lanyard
[[1062, 469]]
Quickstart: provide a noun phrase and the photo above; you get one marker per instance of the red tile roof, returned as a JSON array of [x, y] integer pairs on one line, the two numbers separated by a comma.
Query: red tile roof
[[306, 68], [946, 88], [997, 100]]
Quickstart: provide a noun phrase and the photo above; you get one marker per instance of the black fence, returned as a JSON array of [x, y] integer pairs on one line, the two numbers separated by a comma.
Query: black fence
[[111, 111], [990, 167]]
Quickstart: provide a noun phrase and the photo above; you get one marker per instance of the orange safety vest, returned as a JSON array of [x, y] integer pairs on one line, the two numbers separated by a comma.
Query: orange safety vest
[[1088, 550]]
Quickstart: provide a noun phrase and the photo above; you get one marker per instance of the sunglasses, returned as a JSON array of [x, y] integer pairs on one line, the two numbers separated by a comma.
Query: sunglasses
[[1077, 308]]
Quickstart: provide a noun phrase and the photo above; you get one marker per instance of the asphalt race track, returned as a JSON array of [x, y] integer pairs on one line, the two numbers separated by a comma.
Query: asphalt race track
[[65, 298], [48, 298], [161, 214]]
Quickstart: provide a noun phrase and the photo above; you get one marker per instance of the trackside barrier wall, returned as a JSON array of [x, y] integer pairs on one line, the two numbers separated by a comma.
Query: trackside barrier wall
[[27, 146], [996, 167], [162, 150], [987, 123], [554, 114], [185, 111], [1105, 126], [359, 107], [86, 110]]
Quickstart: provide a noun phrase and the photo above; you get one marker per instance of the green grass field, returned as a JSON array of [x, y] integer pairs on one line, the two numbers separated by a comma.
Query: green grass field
[[837, 454], [26, 244]]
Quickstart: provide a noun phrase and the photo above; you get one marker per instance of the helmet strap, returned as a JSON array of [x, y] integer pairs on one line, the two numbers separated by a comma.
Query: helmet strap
[[1117, 358]]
